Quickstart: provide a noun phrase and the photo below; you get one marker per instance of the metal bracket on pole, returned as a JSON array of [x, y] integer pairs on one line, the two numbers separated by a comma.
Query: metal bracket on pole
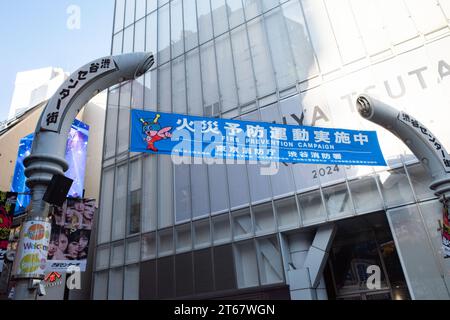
[[425, 146]]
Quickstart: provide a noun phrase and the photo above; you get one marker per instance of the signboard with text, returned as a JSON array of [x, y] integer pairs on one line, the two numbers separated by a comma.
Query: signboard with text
[[184, 135]]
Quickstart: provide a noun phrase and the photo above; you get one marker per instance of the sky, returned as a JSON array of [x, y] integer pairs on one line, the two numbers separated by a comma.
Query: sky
[[35, 34]]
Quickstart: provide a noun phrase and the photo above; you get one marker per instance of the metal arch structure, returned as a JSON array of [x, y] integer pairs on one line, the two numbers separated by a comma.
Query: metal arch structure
[[424, 145], [49, 145]]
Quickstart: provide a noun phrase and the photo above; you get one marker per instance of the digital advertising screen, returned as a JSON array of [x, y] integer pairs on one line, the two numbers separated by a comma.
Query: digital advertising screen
[[76, 152]]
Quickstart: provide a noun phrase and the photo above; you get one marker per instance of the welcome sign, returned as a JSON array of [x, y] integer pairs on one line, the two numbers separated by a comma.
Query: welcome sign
[[184, 135]]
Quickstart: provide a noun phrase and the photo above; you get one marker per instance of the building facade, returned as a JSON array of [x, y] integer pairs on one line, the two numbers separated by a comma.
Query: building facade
[[170, 231], [93, 114], [33, 86]]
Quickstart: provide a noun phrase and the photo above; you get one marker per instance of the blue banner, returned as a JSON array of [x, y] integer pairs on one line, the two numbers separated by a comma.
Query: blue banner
[[183, 135]]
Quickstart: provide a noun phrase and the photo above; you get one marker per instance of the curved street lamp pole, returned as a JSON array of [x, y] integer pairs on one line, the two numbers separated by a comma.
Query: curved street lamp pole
[[49, 145], [424, 145]]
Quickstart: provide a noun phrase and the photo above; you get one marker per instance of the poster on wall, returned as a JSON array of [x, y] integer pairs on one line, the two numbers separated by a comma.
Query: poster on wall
[[33, 248], [76, 151], [446, 229], [185, 135], [7, 206], [70, 236]]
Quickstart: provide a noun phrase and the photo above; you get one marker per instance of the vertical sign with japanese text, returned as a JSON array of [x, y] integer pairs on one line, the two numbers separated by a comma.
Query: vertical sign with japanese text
[[54, 112]]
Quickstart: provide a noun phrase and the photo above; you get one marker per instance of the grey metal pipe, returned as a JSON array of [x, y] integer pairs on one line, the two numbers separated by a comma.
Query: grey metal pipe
[[424, 145], [49, 145]]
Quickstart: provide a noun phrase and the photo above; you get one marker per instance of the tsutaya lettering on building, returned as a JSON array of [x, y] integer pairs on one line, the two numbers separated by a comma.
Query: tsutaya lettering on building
[[212, 138], [51, 121]]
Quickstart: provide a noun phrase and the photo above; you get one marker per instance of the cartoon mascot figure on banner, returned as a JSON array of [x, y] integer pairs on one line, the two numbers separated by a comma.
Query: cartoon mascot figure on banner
[[154, 132]]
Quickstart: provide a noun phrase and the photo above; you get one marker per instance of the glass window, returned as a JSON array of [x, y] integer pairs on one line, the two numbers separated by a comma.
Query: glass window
[[102, 258], [337, 200], [209, 75], [176, 28], [235, 12], [365, 194], [269, 258], [199, 188], [119, 15], [224, 268], [100, 285], [184, 275], [183, 192], [163, 35], [279, 46], [246, 265], [128, 39], [347, 34], [395, 187], [164, 88], [120, 202], [202, 235], [218, 191], [133, 250], [117, 254], [265, 81], [137, 93], [242, 223], [221, 229], [183, 238], [140, 9], [269, 4], [165, 267], [204, 21], [203, 271], [135, 196], [420, 180], [418, 261], [225, 68], [151, 42], [151, 5], [300, 43], [178, 86], [242, 60], [148, 248], [252, 8], [322, 36], [106, 206], [193, 83], [311, 207], [398, 21], [147, 281], [117, 43], [129, 12], [165, 191], [287, 213], [219, 11], [139, 36], [282, 181], [190, 25], [238, 184], [259, 183], [150, 90], [131, 283], [165, 242], [264, 220], [149, 211], [124, 118]]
